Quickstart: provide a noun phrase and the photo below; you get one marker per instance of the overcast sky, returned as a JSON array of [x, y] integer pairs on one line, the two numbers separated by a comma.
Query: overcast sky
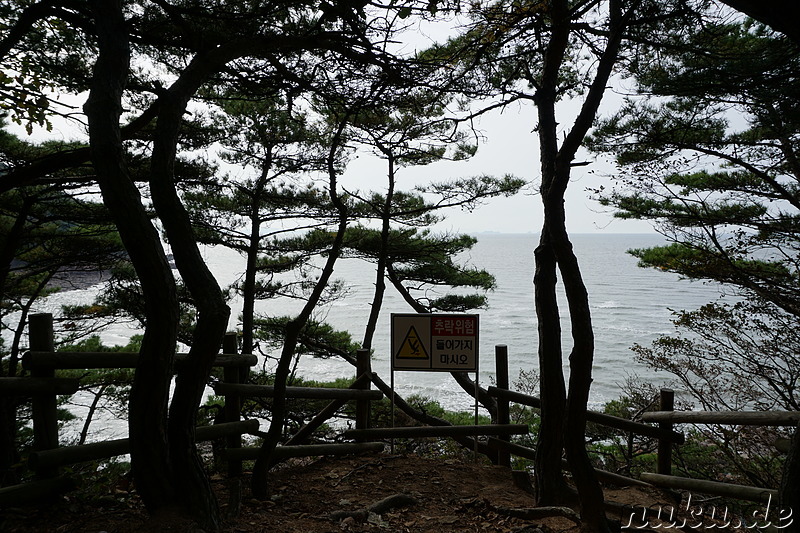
[[511, 147]]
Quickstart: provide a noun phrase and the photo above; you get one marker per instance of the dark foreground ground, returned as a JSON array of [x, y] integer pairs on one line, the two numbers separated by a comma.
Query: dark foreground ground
[[385, 493]]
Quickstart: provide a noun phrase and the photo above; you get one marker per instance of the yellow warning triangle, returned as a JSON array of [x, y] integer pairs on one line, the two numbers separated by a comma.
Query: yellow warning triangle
[[412, 347]]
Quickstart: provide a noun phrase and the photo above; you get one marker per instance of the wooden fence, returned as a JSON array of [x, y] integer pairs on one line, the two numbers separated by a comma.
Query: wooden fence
[[47, 457], [665, 434], [739, 418], [43, 387]]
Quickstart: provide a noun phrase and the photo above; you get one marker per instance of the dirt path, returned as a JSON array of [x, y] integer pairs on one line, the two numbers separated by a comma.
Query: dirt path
[[390, 493]]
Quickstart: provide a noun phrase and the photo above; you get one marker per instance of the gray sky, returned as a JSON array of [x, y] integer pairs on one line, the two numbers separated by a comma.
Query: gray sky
[[511, 147]]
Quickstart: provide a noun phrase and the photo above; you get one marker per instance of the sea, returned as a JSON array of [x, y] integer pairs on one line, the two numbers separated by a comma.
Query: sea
[[629, 305]]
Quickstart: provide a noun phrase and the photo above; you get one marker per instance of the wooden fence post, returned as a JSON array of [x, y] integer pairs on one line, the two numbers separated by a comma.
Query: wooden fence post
[[503, 415], [44, 406], [667, 403], [363, 366], [233, 403]]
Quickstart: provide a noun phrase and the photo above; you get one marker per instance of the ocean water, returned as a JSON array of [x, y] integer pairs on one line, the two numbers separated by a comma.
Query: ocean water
[[628, 304]]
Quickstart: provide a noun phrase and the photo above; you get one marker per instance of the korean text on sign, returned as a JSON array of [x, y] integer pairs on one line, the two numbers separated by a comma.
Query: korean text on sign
[[453, 326]]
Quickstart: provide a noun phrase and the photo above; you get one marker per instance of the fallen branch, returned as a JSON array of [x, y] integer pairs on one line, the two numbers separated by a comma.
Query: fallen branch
[[377, 508], [527, 513]]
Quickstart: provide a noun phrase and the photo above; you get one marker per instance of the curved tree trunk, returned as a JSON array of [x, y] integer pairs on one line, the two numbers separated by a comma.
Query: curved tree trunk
[[249, 285], [147, 417], [556, 249], [551, 489], [253, 247], [167, 469], [383, 260], [550, 486], [259, 484], [194, 488], [580, 380]]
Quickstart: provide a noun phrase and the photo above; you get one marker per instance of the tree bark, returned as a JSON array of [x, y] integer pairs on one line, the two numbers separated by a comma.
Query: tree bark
[[580, 379], [253, 248], [551, 489], [150, 391], [293, 329], [259, 484], [249, 285], [550, 486], [194, 488], [383, 259], [555, 249]]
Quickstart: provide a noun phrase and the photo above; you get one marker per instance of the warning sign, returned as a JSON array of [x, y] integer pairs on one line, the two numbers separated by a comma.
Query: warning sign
[[412, 347], [435, 342]]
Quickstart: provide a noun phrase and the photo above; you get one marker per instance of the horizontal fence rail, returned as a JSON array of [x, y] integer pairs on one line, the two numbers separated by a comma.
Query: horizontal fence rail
[[530, 453], [737, 418], [35, 491], [306, 450], [716, 488], [593, 416], [47, 457], [38, 386], [437, 431], [95, 360], [112, 448], [308, 393]]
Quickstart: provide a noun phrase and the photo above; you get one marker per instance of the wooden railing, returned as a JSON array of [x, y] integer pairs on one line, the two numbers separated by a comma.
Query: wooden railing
[[47, 457], [737, 418], [665, 434]]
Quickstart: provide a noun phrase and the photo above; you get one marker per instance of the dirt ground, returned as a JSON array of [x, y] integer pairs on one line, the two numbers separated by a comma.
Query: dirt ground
[[389, 493]]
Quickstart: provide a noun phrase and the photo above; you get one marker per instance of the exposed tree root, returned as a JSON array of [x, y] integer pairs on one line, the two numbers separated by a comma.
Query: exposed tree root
[[377, 508], [527, 513]]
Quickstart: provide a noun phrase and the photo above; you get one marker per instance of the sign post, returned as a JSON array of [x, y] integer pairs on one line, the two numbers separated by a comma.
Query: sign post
[[434, 342]]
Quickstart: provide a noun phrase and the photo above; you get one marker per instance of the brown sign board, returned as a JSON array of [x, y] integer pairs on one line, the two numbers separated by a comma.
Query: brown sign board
[[435, 342]]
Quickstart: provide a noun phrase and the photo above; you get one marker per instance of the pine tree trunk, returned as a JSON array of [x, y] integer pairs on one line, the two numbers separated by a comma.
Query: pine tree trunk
[[194, 489], [580, 378], [551, 489], [149, 393], [259, 483], [556, 249], [383, 260]]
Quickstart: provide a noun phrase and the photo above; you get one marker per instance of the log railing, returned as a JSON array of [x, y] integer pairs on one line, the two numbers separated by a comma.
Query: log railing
[[666, 417], [664, 433], [736, 418], [46, 458], [43, 387]]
